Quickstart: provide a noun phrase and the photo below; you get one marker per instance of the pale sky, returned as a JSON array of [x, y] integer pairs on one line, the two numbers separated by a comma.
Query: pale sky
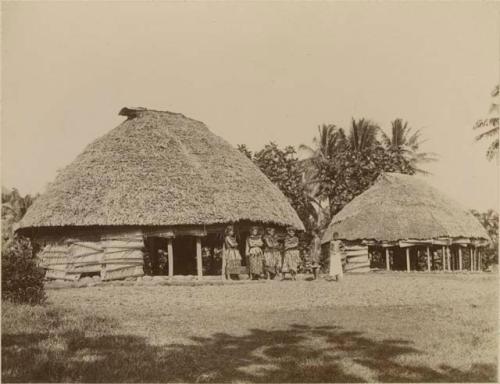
[[253, 72]]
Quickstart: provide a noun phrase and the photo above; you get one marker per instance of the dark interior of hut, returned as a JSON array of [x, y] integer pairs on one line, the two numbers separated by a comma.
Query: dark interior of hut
[[184, 255], [184, 249], [155, 256], [418, 258]]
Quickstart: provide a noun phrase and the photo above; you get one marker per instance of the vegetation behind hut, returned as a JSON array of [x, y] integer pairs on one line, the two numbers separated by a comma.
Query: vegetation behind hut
[[22, 279], [489, 221], [340, 166], [343, 165]]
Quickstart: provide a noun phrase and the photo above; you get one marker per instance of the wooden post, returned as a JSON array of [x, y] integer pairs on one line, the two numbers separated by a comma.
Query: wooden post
[[387, 260], [170, 251], [460, 258], [408, 259], [479, 257], [199, 265], [428, 259], [474, 258], [451, 263], [443, 257], [471, 254], [448, 256]]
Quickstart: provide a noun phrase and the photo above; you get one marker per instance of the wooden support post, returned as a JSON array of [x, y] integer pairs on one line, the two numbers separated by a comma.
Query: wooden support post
[[387, 260], [443, 257], [199, 265], [451, 259], [428, 259], [170, 252], [474, 258], [408, 259], [448, 256], [471, 255], [479, 260], [460, 258]]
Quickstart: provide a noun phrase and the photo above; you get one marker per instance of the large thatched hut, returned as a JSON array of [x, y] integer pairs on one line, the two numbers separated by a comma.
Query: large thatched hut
[[158, 185], [404, 223]]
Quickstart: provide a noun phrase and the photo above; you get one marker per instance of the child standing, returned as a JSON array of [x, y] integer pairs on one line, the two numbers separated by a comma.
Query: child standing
[[336, 251]]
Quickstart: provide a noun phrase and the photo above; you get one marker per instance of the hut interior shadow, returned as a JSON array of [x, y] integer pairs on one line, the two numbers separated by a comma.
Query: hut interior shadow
[[155, 262], [184, 249]]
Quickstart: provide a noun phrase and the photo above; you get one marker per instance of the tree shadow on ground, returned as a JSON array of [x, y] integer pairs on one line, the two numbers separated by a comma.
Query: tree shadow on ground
[[297, 354]]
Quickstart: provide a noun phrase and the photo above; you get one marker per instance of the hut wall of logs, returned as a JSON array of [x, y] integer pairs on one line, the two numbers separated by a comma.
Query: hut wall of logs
[[111, 256]]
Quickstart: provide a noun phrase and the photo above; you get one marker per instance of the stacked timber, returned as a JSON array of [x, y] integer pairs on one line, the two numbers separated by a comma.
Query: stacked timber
[[55, 259], [123, 256], [357, 259], [84, 257]]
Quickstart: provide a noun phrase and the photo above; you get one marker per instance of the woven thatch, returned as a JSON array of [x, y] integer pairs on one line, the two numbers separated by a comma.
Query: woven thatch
[[161, 169], [399, 207]]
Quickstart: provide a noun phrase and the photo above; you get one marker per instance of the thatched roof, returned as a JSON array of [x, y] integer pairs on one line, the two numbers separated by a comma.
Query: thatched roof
[[399, 207], [160, 169]]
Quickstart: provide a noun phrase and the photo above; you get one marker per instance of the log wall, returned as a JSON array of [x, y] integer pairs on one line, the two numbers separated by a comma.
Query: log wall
[[113, 257], [357, 259]]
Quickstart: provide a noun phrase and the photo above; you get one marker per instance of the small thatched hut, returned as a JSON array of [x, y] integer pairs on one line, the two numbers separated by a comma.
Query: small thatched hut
[[409, 225], [159, 182]]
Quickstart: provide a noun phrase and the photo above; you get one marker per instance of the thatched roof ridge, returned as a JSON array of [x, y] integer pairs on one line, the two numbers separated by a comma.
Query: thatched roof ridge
[[160, 168], [399, 207]]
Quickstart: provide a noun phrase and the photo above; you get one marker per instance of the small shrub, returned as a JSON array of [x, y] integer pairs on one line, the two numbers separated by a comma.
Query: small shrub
[[22, 278]]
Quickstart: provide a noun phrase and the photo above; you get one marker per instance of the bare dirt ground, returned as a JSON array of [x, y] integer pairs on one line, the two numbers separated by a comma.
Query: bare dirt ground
[[372, 327]]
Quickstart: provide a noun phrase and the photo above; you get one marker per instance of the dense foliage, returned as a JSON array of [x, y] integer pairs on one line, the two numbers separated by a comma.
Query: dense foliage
[[282, 167], [343, 165], [22, 278], [489, 220], [14, 206]]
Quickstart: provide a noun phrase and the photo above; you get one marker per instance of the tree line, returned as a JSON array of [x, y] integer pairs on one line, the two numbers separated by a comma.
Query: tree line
[[339, 165]]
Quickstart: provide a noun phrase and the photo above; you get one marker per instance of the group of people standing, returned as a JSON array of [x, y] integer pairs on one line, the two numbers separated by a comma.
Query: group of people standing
[[266, 257]]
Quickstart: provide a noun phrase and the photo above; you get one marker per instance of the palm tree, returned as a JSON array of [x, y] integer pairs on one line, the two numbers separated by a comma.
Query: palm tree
[[329, 140], [490, 126], [362, 135], [405, 142]]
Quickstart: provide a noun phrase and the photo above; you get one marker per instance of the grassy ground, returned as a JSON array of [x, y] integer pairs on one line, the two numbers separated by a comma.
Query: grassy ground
[[378, 327]]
